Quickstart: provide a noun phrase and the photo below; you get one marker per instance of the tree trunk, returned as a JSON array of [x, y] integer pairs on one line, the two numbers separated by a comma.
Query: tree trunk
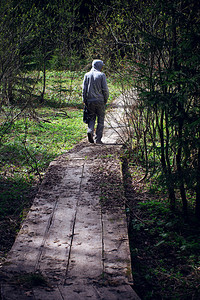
[[179, 167], [180, 121], [197, 208], [169, 182], [44, 81]]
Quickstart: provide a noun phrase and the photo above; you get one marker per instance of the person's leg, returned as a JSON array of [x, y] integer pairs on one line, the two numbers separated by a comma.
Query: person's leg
[[92, 116], [100, 111]]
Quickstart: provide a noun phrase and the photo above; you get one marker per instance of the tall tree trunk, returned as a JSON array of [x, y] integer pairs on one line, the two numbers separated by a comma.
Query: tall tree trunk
[[44, 81], [180, 121], [179, 166], [169, 182], [197, 208]]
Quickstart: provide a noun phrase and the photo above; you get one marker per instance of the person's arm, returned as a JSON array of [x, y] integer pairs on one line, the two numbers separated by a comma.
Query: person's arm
[[84, 91], [105, 89]]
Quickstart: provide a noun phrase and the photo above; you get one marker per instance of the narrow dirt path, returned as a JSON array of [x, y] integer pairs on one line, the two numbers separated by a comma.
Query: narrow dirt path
[[74, 241]]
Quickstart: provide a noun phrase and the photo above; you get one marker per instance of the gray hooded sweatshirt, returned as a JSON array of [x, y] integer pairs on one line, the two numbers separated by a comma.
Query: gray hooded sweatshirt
[[94, 84]]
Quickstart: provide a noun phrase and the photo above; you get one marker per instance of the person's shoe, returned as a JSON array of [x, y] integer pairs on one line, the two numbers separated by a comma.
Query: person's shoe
[[90, 138], [99, 142]]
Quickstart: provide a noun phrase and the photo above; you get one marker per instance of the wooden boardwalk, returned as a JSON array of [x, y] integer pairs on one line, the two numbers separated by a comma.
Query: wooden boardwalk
[[70, 246]]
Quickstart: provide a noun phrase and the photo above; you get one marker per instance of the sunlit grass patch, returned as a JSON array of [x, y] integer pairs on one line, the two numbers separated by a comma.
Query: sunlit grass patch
[[32, 142]]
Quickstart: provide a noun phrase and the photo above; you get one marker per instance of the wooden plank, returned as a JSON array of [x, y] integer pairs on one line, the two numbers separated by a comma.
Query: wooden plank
[[47, 294], [79, 290], [31, 239], [55, 253], [117, 262], [121, 292], [24, 253], [54, 256], [15, 292], [86, 253]]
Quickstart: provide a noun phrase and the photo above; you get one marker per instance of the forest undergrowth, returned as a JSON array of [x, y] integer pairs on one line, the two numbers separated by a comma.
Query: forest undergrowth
[[164, 246]]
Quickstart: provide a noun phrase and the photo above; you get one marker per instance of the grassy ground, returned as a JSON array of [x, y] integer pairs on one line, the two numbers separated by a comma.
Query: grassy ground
[[41, 133]]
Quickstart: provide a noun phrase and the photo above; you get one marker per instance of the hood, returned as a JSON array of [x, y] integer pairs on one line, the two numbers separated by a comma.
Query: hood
[[97, 64]]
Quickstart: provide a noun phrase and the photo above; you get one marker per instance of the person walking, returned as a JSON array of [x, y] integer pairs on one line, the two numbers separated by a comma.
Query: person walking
[[95, 96]]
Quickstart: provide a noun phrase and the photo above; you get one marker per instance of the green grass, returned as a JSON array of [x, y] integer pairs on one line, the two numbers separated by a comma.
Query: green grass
[[32, 143]]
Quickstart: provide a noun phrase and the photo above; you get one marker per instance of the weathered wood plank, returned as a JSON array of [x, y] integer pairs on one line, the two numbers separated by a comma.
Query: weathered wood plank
[[25, 251], [15, 292], [117, 263], [79, 290], [82, 290], [54, 255], [31, 240], [42, 294], [86, 252], [122, 292]]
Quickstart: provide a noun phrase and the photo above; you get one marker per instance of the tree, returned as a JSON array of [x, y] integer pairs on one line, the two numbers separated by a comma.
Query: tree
[[168, 85], [157, 43]]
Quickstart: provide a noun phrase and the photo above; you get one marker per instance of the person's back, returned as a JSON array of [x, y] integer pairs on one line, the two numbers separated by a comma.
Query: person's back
[[95, 96], [94, 85]]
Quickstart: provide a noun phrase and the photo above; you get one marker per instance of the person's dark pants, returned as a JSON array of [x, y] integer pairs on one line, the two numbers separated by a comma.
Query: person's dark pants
[[96, 109]]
